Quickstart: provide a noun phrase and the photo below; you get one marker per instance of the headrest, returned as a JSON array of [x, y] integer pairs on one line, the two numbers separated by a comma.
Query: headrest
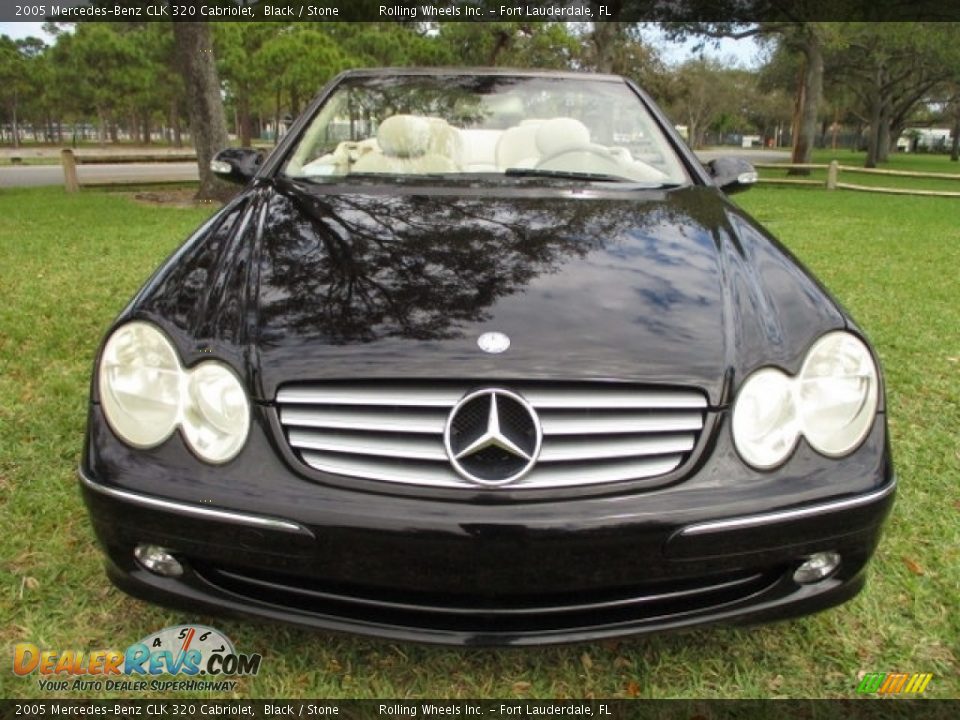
[[445, 139], [559, 134], [404, 136]]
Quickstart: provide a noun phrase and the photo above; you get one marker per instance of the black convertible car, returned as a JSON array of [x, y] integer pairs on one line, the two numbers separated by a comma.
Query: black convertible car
[[486, 357]]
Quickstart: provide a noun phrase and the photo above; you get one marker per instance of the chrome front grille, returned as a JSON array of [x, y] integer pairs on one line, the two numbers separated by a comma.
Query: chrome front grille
[[390, 431]]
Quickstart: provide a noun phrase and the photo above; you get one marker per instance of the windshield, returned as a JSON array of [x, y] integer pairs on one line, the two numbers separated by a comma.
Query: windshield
[[499, 126]]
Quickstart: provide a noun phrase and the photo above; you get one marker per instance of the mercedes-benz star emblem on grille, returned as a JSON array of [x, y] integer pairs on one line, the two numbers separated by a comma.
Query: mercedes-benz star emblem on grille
[[493, 437]]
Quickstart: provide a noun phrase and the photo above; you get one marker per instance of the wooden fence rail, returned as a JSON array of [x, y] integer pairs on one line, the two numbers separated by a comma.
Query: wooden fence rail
[[834, 169], [69, 160]]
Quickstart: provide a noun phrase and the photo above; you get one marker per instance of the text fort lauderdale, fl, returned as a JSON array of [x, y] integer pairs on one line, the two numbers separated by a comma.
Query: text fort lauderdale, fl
[[504, 11], [512, 709]]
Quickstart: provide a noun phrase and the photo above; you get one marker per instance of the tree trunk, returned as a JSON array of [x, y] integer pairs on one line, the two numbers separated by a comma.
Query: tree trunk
[[893, 133], [883, 144], [245, 121], [873, 139], [103, 128], [501, 42], [955, 145], [812, 90], [276, 119], [883, 141], [15, 128], [208, 127], [294, 102], [605, 38], [175, 123], [146, 129]]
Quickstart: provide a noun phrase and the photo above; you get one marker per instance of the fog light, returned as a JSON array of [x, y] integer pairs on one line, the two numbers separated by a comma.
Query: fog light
[[819, 566], [158, 560]]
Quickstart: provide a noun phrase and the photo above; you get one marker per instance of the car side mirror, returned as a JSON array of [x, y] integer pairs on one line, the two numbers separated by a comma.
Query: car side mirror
[[237, 165], [732, 174]]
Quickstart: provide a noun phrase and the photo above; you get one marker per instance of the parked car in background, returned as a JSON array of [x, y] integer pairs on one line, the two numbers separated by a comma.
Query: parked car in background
[[486, 357]]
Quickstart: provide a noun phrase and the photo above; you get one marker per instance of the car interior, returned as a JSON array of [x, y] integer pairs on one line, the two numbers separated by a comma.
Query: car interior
[[417, 144]]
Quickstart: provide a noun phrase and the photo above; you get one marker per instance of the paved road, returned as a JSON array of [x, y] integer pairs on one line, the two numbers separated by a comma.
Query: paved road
[[748, 154], [33, 175]]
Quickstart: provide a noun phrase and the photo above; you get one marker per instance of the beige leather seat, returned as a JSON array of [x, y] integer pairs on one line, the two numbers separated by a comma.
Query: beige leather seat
[[445, 140], [517, 147], [409, 145], [480, 150], [559, 135]]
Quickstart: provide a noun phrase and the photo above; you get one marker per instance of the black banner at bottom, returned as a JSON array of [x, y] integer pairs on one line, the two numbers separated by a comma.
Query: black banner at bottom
[[894, 709]]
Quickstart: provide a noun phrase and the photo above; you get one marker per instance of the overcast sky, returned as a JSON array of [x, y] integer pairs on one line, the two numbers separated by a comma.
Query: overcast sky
[[739, 52], [18, 30]]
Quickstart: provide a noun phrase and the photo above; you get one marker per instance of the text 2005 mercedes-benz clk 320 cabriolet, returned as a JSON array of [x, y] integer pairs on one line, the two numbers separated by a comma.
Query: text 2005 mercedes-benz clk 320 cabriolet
[[486, 357]]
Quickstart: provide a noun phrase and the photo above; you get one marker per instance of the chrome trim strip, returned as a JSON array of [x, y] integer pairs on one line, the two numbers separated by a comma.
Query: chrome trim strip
[[565, 423], [425, 395], [195, 510], [369, 419], [391, 447], [570, 448], [787, 515], [542, 477]]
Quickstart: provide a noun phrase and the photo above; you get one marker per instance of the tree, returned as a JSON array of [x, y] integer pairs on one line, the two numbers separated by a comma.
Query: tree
[[954, 111], [242, 67], [194, 46], [703, 94], [13, 81], [101, 70], [512, 44], [392, 44], [894, 68], [809, 39], [309, 58]]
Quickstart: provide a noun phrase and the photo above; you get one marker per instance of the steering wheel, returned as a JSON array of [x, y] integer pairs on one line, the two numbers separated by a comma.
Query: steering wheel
[[567, 154]]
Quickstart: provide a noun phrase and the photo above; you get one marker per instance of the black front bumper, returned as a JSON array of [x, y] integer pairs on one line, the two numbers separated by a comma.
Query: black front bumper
[[485, 573]]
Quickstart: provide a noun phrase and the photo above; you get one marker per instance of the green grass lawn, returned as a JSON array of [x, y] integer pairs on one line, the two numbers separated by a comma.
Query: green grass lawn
[[69, 263]]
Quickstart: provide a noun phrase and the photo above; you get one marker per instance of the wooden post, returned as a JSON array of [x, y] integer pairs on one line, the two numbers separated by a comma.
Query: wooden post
[[69, 162], [832, 173]]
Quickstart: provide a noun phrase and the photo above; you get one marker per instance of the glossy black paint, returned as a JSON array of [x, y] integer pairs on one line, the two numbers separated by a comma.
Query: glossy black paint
[[675, 287], [299, 281]]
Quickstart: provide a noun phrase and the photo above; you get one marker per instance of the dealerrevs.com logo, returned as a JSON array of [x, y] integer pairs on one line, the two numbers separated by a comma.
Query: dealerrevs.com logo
[[182, 650]]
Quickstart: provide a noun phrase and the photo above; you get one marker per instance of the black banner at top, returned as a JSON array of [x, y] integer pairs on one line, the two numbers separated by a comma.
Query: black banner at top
[[478, 10]]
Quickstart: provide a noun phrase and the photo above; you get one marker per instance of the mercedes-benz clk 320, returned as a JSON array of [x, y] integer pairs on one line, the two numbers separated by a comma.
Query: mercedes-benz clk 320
[[486, 357]]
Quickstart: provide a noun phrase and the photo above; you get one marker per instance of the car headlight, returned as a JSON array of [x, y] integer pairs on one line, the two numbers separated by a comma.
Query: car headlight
[[765, 418], [217, 418], [140, 385], [837, 393], [146, 394], [832, 403]]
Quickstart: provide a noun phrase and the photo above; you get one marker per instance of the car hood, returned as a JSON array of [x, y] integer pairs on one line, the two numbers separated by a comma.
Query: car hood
[[662, 287], [298, 281]]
